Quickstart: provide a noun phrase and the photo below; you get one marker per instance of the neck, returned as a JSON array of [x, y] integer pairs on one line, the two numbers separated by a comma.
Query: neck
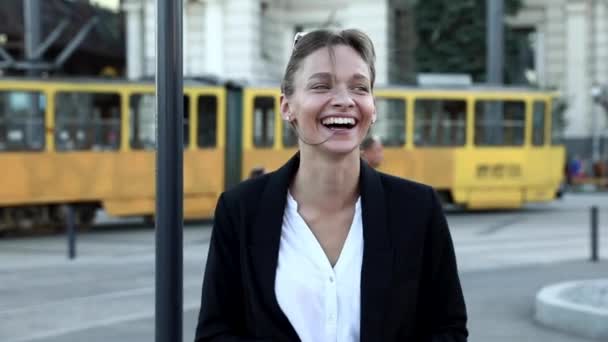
[[326, 182]]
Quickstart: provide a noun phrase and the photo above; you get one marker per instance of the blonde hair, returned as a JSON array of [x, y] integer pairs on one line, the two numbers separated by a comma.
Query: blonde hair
[[312, 41]]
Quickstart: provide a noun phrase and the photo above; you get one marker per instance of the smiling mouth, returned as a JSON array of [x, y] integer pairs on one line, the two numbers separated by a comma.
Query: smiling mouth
[[339, 123]]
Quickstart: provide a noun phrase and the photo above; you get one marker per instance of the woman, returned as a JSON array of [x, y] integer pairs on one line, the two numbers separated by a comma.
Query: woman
[[326, 248]]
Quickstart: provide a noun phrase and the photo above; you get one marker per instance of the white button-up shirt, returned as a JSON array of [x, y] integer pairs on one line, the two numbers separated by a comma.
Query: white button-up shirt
[[322, 303]]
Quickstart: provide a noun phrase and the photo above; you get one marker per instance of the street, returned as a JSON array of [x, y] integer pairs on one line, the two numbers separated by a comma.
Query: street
[[107, 292]]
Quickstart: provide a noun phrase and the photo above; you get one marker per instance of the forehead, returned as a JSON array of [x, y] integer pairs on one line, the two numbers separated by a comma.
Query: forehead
[[346, 62]]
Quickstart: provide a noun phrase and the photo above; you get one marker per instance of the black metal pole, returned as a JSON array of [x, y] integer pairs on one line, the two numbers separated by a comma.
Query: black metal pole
[[32, 30], [594, 233], [494, 65], [71, 231], [169, 178], [495, 41], [31, 16]]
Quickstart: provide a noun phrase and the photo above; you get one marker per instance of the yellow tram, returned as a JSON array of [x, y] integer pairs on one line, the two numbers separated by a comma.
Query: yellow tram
[[90, 143], [451, 139]]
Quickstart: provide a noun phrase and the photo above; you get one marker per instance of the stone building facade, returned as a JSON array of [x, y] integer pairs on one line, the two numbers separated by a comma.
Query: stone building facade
[[571, 55], [250, 40]]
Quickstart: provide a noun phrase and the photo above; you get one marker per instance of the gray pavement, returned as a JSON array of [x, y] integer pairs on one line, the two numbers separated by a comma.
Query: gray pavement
[[500, 305], [588, 293], [107, 293]]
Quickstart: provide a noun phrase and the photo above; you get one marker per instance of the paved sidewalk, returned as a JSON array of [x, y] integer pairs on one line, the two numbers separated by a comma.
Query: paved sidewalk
[[500, 304], [107, 293]]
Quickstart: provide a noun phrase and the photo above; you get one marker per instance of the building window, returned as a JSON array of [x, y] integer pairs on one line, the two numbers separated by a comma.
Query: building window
[[266, 34]]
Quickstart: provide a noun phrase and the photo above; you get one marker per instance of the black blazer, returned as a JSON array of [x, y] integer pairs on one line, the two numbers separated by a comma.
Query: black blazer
[[410, 290]]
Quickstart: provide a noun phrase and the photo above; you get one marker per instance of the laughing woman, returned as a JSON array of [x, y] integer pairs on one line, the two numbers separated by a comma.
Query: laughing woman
[[326, 248]]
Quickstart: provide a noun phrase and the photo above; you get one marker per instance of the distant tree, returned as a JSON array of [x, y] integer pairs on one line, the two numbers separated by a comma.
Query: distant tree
[[452, 38]]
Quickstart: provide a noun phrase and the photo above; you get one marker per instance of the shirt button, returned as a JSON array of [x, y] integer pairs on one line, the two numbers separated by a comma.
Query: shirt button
[[331, 279]]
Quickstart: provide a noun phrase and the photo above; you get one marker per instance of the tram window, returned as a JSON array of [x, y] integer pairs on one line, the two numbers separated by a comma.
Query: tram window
[[186, 121], [263, 121], [207, 121], [290, 137], [538, 123], [558, 123], [390, 124], [87, 121], [499, 123], [440, 122], [22, 120], [143, 121]]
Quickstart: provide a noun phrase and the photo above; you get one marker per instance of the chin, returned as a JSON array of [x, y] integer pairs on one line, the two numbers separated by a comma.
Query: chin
[[340, 147]]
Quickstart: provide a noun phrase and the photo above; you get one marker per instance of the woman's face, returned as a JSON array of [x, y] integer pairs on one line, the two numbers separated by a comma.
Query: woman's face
[[332, 100]]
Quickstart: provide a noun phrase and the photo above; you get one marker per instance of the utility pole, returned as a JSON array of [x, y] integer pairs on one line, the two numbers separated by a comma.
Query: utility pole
[[31, 14], [169, 176], [596, 90], [494, 65], [495, 41]]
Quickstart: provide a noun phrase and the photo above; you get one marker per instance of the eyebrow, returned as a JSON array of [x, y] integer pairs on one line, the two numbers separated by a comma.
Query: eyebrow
[[356, 77], [360, 77], [320, 75]]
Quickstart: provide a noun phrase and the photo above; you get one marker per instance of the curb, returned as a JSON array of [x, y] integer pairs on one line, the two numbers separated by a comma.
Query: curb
[[555, 311]]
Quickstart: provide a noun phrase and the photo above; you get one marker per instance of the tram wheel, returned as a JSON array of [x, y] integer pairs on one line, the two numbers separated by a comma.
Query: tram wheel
[[150, 220], [85, 215]]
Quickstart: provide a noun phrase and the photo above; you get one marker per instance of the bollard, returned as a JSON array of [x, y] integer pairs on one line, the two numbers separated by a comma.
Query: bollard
[[594, 237], [71, 231]]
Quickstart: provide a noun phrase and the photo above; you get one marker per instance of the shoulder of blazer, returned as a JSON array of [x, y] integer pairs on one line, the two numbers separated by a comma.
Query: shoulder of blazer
[[407, 196], [247, 189], [407, 189], [244, 197]]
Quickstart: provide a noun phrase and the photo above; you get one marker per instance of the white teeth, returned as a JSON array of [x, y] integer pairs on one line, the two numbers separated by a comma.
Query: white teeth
[[339, 121]]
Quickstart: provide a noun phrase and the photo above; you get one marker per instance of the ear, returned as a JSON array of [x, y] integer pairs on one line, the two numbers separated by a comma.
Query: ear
[[286, 113]]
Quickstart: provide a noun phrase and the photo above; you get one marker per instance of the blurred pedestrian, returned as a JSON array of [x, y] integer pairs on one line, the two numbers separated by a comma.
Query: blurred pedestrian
[[372, 151], [575, 169], [326, 248], [256, 172]]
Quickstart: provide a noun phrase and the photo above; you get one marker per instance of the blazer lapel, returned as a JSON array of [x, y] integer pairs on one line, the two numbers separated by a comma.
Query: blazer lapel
[[377, 265], [265, 238]]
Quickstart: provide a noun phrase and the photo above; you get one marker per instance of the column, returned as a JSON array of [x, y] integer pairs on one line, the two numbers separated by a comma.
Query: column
[[539, 56], [577, 82], [135, 51], [214, 38]]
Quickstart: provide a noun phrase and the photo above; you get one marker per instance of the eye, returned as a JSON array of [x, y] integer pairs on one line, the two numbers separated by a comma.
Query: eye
[[361, 88], [320, 86]]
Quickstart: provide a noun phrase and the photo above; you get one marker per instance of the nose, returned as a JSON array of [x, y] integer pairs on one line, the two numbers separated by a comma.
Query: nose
[[342, 98]]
